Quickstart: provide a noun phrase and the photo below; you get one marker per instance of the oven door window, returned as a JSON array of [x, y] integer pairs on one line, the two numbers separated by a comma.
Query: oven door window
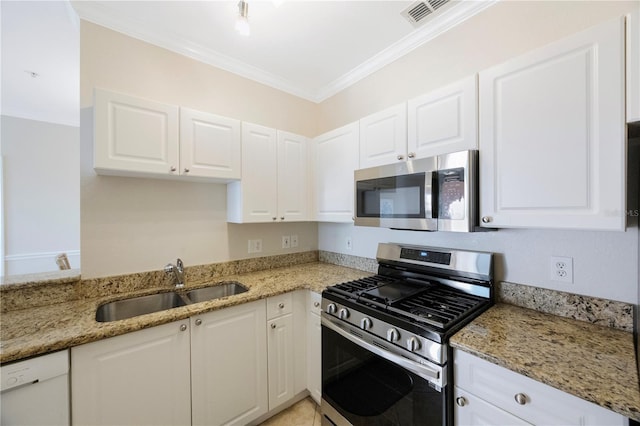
[[367, 389], [392, 197]]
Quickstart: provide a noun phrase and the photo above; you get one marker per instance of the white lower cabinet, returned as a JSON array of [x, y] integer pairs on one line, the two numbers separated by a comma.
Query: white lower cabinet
[[488, 394], [228, 365], [140, 378], [314, 346]]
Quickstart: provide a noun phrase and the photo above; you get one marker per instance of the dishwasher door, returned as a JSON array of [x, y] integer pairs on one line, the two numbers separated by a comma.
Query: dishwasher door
[[35, 391]]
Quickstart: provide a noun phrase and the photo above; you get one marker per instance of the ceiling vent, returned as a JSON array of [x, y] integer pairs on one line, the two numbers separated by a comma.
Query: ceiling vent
[[419, 11]]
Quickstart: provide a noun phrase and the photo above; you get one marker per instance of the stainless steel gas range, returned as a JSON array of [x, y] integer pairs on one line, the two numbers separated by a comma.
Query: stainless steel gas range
[[385, 353]]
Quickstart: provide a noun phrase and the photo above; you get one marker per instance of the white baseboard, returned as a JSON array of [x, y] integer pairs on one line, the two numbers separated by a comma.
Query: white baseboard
[[31, 263]]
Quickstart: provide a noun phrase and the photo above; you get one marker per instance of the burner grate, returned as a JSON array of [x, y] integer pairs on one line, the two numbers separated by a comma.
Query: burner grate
[[355, 287], [439, 307]]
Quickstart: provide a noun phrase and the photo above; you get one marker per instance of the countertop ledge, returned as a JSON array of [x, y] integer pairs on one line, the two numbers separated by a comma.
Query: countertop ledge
[[30, 332], [592, 362]]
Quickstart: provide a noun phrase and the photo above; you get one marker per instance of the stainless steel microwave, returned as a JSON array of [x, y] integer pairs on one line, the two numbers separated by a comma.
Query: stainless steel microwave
[[427, 194]]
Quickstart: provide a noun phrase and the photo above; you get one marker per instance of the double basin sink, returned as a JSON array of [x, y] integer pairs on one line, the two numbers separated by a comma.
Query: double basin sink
[[141, 305]]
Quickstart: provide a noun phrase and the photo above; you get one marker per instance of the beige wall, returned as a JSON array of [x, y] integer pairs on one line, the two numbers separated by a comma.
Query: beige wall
[[131, 224], [500, 32]]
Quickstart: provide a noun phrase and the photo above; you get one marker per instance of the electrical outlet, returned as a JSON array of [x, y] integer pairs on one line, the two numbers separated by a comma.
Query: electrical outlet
[[255, 246], [561, 269], [294, 241], [286, 241], [349, 246]]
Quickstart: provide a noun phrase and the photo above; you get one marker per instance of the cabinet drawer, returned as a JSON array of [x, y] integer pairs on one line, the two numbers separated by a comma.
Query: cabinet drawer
[[314, 304], [538, 403], [279, 305]]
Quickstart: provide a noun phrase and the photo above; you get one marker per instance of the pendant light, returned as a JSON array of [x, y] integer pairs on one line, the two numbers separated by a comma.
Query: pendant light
[[242, 21]]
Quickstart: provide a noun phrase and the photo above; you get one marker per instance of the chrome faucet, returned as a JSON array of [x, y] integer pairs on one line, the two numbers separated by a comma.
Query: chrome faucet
[[178, 272]]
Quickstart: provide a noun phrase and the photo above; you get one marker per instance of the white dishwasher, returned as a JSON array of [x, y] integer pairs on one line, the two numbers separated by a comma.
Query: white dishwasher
[[35, 391]]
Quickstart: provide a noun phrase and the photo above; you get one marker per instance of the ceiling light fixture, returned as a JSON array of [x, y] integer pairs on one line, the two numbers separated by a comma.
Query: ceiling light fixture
[[242, 21]]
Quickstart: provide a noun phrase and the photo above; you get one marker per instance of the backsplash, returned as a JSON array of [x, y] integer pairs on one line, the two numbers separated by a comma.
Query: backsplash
[[355, 262]]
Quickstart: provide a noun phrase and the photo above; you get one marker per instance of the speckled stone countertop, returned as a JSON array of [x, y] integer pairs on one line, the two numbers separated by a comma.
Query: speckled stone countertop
[[34, 331], [592, 362]]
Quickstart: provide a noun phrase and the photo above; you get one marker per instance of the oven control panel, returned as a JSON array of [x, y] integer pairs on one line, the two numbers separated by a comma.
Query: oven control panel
[[413, 343]]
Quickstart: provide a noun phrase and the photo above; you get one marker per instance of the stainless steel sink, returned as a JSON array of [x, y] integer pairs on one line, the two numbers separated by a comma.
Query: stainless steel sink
[[216, 291], [128, 308]]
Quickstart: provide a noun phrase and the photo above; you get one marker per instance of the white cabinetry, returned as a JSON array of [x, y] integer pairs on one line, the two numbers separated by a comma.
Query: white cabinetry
[[552, 138], [444, 120], [140, 378], [285, 347], [275, 182], [140, 137], [633, 66], [383, 137], [491, 395], [336, 158], [314, 346], [229, 368]]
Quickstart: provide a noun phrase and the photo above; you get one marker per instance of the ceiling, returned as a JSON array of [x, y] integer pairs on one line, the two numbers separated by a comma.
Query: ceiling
[[311, 49]]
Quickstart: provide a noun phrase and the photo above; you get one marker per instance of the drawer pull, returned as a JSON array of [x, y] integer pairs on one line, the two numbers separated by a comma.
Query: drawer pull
[[521, 398], [316, 304], [281, 305], [461, 401]]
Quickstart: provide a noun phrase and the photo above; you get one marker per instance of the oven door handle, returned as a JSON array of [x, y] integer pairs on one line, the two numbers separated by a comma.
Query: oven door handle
[[414, 367]]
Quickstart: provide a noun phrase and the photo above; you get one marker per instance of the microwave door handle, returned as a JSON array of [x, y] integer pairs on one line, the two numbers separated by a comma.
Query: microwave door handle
[[434, 195]]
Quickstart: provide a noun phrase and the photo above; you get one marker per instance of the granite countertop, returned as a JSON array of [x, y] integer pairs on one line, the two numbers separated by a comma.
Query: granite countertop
[[592, 362], [29, 332]]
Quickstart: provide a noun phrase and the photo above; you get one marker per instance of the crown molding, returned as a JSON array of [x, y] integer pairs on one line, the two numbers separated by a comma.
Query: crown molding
[[103, 16]]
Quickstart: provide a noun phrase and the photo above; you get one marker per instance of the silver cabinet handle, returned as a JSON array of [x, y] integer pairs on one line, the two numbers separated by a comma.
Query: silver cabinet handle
[[316, 304], [186, 170], [198, 321], [281, 217], [521, 398], [274, 218], [173, 168], [183, 327], [411, 155], [486, 219], [400, 157], [273, 326], [461, 401]]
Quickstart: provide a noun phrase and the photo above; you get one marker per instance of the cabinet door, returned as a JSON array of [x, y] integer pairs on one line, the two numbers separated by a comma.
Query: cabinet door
[[314, 347], [228, 365], [293, 177], [336, 158], [281, 360], [254, 198], [444, 121], [469, 410], [383, 137], [633, 66], [552, 141], [140, 378], [134, 135], [209, 145]]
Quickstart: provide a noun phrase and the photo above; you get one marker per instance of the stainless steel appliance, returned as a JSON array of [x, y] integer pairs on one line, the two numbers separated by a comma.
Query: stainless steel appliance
[[429, 194], [385, 353]]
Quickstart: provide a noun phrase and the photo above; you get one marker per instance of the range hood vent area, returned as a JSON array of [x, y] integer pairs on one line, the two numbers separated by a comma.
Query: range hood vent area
[[417, 12]]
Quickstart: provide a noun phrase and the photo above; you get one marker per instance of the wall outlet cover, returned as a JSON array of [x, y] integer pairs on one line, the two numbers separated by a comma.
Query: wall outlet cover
[[561, 269]]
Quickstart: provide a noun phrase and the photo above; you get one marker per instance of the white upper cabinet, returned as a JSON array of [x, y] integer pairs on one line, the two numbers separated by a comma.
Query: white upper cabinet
[[444, 120], [209, 145], [140, 137], [254, 198], [336, 158], [275, 179], [383, 137], [552, 135], [293, 177], [633, 66], [134, 135]]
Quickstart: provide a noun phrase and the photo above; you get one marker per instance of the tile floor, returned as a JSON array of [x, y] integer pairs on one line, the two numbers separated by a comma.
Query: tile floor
[[304, 413]]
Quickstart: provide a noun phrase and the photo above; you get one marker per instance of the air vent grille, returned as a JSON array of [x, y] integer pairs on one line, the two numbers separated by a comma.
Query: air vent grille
[[417, 12]]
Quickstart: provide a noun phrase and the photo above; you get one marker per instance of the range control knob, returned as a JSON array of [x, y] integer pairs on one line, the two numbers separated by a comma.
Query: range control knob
[[413, 344], [343, 314], [392, 335], [331, 308], [365, 323]]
